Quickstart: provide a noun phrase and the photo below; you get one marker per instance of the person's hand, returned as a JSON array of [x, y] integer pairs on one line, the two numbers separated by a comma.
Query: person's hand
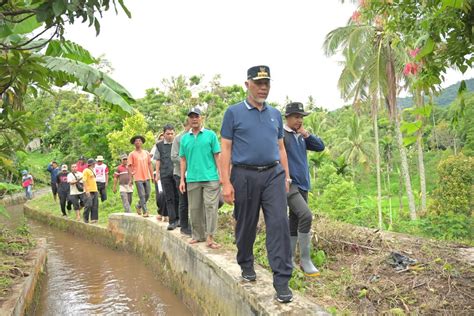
[[287, 186], [228, 193], [130, 183], [157, 178], [182, 186], [114, 190], [302, 131], [88, 194]]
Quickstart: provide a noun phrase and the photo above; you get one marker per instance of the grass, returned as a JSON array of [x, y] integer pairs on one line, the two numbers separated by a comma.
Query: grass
[[113, 204], [14, 248]]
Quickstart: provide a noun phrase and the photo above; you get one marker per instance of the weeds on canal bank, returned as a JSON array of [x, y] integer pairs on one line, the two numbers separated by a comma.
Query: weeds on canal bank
[[14, 248], [356, 277]]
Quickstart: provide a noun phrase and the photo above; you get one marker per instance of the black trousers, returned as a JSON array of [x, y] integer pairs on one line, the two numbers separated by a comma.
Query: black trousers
[[63, 198], [300, 214], [102, 188], [91, 207], [263, 189], [171, 197], [182, 205], [160, 201], [77, 201]]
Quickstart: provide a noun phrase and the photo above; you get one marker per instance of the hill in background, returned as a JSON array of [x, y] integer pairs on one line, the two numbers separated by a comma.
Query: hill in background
[[445, 98]]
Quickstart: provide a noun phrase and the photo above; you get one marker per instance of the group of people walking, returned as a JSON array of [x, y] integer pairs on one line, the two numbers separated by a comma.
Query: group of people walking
[[81, 187], [260, 163]]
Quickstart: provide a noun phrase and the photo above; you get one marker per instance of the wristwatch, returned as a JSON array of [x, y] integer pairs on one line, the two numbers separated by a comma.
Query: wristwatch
[[289, 180]]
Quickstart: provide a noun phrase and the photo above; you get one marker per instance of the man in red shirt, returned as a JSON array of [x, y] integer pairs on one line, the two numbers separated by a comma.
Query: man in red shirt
[[81, 164], [122, 177]]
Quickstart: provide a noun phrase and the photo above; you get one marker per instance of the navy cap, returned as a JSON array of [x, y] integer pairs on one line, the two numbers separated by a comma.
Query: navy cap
[[295, 107], [194, 110], [258, 72], [90, 161]]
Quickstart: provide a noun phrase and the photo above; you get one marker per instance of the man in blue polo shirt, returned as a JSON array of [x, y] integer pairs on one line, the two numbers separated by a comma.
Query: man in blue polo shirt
[[199, 151], [252, 140], [297, 142]]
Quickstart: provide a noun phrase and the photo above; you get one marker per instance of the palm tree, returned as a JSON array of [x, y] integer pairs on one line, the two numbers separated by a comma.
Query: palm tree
[[356, 146], [369, 71], [355, 81]]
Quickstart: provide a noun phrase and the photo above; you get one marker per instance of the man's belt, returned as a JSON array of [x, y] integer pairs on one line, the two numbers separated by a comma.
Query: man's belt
[[258, 168]]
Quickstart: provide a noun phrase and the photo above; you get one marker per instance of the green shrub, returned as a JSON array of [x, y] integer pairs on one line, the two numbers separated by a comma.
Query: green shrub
[[449, 226], [450, 215], [336, 195], [454, 193]]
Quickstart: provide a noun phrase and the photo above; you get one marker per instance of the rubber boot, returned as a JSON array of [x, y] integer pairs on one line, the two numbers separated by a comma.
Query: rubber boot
[[293, 240], [305, 258]]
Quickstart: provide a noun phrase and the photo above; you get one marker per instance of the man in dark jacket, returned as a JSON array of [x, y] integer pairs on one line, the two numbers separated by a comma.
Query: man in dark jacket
[[164, 172], [297, 141], [54, 170], [63, 188]]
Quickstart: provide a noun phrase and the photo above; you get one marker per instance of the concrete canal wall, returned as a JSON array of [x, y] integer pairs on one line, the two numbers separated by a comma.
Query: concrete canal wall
[[22, 296], [207, 281]]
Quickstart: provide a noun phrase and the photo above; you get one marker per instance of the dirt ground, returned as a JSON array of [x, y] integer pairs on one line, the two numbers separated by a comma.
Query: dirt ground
[[359, 276]]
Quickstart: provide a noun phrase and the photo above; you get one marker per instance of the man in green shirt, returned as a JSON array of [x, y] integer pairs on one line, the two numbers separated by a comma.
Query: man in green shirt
[[199, 151]]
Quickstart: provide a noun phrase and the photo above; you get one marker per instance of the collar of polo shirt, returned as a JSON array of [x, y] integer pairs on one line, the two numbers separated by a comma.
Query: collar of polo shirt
[[289, 130], [249, 106], [191, 130]]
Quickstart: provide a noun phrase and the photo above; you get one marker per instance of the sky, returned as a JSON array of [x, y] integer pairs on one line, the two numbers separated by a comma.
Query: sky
[[168, 38]]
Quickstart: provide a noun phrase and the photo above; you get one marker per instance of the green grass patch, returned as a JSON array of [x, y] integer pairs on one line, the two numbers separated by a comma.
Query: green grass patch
[[14, 248], [113, 204]]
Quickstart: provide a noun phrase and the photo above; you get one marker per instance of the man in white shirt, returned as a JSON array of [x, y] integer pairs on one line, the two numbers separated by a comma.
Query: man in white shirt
[[102, 177], [76, 193]]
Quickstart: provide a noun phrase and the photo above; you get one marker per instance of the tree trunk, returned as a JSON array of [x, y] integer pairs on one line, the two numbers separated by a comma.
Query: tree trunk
[[434, 122], [375, 107], [421, 163], [400, 195], [390, 215], [392, 100], [404, 167]]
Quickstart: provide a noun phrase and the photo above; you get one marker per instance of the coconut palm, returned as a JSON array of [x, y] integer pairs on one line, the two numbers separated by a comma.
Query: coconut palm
[[369, 73], [356, 147]]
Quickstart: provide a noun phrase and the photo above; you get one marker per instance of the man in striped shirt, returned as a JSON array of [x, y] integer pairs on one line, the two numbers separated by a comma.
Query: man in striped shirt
[[122, 177]]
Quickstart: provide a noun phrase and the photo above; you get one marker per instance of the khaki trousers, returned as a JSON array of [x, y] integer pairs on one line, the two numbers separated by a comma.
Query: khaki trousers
[[203, 200]]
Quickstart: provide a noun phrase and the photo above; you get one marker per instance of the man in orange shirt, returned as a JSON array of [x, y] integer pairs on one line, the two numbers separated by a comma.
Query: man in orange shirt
[[141, 169]]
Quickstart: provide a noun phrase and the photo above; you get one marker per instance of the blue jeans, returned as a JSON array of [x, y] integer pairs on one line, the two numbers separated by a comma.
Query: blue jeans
[[29, 192], [143, 190]]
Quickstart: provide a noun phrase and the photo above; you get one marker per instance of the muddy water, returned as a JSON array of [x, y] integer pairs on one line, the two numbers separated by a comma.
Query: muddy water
[[84, 278]]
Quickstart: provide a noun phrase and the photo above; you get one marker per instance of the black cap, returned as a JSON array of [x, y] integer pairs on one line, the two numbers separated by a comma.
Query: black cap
[[134, 138], [295, 107], [194, 110], [258, 72], [90, 161]]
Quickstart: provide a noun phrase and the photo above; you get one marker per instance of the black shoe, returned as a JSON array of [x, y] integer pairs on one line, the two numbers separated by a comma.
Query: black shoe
[[249, 275], [171, 226], [283, 294], [186, 231]]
